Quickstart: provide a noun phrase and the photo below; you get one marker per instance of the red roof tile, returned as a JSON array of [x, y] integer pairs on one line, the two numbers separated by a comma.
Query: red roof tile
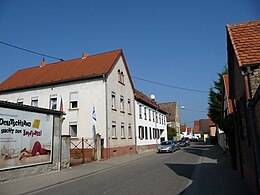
[[226, 87], [146, 100], [79, 68], [196, 127], [245, 38], [183, 128]]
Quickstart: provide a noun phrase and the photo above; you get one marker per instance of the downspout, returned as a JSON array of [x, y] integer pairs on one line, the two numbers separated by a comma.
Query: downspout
[[135, 129], [106, 104]]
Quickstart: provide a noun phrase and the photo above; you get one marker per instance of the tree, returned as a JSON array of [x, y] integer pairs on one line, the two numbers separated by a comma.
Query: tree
[[171, 132], [215, 109], [215, 98]]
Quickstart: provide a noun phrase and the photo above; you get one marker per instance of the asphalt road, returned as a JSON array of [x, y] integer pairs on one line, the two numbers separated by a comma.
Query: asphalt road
[[160, 174]]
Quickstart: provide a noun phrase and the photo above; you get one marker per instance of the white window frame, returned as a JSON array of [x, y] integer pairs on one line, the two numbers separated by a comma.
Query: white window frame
[[113, 100], [35, 101], [113, 129], [122, 104], [53, 97], [74, 99], [129, 106], [122, 130], [72, 133]]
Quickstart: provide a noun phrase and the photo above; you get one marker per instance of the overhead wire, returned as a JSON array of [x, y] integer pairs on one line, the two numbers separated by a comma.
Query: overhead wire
[[27, 50], [171, 86]]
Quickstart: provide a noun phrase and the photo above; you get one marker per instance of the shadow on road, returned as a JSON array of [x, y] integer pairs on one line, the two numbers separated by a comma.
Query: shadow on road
[[212, 175]]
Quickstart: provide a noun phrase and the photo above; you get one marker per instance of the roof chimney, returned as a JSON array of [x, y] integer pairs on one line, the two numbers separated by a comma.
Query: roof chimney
[[43, 63], [84, 55]]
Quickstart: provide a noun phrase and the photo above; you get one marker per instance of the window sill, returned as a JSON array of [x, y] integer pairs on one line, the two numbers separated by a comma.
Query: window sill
[[123, 138], [129, 113], [114, 137], [114, 109], [121, 83], [122, 112], [130, 138], [70, 109]]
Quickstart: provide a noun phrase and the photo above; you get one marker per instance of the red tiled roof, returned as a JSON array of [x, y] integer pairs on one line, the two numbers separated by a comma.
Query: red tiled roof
[[69, 70], [146, 100], [196, 127], [189, 130], [245, 38], [226, 87], [183, 128]]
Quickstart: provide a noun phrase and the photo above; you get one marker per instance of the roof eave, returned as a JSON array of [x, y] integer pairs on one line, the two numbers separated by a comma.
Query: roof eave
[[52, 83]]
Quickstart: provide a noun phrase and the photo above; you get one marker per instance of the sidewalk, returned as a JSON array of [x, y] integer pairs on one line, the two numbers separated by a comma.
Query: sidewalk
[[212, 175]]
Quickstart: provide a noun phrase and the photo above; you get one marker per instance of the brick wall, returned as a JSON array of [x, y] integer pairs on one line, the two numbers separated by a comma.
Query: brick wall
[[107, 153]]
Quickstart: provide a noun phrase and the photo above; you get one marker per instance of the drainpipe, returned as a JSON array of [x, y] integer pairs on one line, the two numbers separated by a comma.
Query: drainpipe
[[107, 139]]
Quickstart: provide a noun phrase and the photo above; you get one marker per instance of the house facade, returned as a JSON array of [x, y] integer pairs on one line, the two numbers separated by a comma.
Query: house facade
[[243, 42], [173, 116], [151, 124], [96, 93]]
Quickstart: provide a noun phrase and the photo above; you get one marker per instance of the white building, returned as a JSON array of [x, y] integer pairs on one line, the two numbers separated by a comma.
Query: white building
[[101, 82], [151, 125]]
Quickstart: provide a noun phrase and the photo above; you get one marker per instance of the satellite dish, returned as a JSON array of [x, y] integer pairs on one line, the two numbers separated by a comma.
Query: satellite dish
[[182, 107], [153, 97]]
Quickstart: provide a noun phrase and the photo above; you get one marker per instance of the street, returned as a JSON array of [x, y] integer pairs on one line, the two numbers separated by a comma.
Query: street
[[168, 173]]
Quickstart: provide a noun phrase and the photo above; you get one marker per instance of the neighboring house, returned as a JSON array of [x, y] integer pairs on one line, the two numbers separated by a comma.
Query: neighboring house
[[196, 129], [186, 131], [212, 131], [99, 84], [227, 109], [243, 46], [173, 116], [204, 129], [151, 127]]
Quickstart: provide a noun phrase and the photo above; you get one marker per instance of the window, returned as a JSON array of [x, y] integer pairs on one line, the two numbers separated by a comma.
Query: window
[[113, 98], [113, 129], [141, 132], [146, 133], [20, 101], [154, 133], [73, 129], [121, 77], [129, 106], [140, 111], [130, 135], [150, 131], [145, 114], [122, 130], [156, 117], [149, 114], [34, 101], [73, 100], [53, 102], [153, 116], [122, 109]]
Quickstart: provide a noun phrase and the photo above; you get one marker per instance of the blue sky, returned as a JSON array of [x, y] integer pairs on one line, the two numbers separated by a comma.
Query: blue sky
[[176, 43]]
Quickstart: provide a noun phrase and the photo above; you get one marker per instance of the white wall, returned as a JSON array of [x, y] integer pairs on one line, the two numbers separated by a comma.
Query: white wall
[[125, 90], [90, 92], [149, 124]]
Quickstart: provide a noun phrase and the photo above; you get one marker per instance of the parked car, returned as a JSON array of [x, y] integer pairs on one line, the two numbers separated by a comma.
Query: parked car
[[166, 146], [177, 145], [182, 143], [187, 140]]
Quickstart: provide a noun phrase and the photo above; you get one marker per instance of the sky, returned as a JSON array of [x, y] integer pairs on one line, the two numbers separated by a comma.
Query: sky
[[177, 45]]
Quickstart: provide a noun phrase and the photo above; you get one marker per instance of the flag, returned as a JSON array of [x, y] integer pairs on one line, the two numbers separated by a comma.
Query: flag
[[94, 117]]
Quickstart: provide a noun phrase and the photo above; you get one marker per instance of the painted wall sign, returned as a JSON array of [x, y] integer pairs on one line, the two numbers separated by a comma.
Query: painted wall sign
[[25, 138]]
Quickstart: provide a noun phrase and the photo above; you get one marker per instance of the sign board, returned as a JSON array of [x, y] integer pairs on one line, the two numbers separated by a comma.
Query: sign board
[[25, 138]]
